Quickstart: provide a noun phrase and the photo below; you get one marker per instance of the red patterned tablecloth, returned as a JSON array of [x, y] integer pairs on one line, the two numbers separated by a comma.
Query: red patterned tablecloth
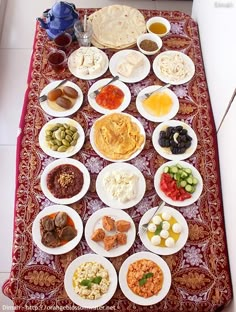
[[200, 271]]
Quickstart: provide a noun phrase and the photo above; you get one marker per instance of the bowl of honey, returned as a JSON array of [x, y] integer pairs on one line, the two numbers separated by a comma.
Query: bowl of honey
[[158, 25]]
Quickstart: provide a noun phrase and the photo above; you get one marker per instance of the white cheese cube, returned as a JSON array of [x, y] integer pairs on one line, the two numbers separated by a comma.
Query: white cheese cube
[[135, 59], [88, 60]]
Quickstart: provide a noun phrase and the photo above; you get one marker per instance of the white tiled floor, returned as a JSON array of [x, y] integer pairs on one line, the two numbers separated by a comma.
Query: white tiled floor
[[15, 51]]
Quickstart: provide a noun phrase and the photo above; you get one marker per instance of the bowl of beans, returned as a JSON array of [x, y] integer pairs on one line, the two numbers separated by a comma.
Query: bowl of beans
[[149, 44]]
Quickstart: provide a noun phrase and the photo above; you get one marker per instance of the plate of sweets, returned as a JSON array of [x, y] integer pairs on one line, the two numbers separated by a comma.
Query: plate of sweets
[[62, 101]]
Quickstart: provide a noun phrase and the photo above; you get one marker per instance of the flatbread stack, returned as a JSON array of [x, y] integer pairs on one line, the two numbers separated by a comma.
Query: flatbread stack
[[116, 27]]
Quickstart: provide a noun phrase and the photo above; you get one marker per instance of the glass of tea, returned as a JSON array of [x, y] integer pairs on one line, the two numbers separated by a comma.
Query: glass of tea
[[57, 60], [63, 41]]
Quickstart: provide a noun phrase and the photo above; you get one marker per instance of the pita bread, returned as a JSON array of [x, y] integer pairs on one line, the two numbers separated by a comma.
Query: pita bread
[[116, 26]]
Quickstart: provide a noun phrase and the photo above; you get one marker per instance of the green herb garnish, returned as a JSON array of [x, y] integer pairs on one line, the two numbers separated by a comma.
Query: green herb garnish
[[143, 280], [159, 228], [97, 280], [88, 282]]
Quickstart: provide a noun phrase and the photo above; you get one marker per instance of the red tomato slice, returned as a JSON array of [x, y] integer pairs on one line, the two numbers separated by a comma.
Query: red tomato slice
[[169, 186]]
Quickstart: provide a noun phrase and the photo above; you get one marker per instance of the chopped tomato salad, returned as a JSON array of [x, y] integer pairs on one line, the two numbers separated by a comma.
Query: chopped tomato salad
[[169, 186], [110, 97]]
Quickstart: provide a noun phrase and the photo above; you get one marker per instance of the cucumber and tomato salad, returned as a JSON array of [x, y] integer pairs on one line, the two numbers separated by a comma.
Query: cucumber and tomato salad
[[178, 182]]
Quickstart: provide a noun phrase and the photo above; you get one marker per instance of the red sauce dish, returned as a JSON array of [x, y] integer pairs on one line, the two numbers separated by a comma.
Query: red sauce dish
[[110, 97]]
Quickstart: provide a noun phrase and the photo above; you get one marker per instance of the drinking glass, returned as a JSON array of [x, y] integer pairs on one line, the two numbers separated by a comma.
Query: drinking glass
[[83, 36]]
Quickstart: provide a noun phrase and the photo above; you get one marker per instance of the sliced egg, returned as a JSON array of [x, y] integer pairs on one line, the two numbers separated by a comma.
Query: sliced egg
[[166, 216], [156, 240], [170, 242], [177, 228], [164, 234], [152, 227], [165, 225], [156, 220]]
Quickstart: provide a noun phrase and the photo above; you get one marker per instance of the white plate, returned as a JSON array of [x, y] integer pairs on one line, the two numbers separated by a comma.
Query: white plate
[[164, 250], [165, 152], [95, 222], [167, 199], [68, 246], [130, 294], [107, 198], [64, 161], [173, 80], [87, 77], [133, 119], [63, 113], [88, 303], [138, 74], [100, 83], [145, 114], [73, 149]]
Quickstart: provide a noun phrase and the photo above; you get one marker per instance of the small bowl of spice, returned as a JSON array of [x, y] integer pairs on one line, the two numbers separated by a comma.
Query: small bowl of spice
[[149, 44], [158, 25]]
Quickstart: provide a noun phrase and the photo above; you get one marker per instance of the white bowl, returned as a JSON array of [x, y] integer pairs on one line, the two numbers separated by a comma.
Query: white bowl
[[159, 19], [151, 37]]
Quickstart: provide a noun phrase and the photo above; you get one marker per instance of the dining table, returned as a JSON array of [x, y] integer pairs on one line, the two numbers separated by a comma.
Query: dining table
[[200, 272]]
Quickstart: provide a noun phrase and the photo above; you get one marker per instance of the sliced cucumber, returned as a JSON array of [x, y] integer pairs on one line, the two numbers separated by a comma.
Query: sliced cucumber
[[183, 183], [173, 169], [189, 188], [183, 177], [188, 170], [166, 169], [189, 180]]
